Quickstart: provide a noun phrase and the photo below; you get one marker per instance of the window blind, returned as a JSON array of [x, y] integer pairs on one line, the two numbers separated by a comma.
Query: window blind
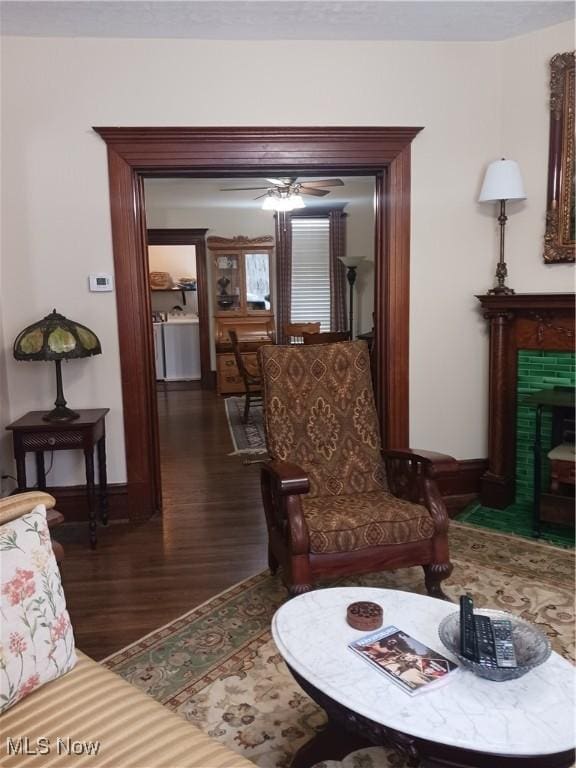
[[311, 271]]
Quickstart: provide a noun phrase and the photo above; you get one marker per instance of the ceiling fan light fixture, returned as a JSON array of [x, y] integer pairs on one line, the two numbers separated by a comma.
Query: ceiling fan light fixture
[[296, 202], [282, 202]]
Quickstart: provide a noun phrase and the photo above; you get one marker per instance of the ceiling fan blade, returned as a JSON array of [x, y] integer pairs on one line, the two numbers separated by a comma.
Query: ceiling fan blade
[[315, 192], [240, 189], [282, 182], [261, 196], [323, 183]]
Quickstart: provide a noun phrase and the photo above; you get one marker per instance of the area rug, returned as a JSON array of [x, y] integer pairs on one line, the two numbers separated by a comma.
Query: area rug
[[218, 666], [246, 438]]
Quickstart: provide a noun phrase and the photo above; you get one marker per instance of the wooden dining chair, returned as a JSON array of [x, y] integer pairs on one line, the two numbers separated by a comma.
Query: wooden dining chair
[[329, 337], [295, 331], [251, 378]]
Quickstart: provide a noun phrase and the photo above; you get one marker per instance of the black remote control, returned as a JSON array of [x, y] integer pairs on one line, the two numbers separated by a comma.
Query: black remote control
[[505, 654], [468, 645], [485, 640]]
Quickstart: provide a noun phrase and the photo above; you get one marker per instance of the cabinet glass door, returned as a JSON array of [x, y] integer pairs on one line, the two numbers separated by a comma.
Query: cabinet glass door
[[227, 283], [257, 269]]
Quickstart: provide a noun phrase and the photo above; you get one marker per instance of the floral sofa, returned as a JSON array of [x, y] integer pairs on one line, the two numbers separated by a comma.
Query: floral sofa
[[88, 715]]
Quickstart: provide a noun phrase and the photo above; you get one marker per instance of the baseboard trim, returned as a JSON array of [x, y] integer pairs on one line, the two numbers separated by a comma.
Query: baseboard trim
[[458, 490], [461, 488], [72, 502]]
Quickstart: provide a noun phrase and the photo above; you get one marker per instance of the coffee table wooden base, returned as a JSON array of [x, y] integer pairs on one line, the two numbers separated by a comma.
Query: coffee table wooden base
[[348, 731]]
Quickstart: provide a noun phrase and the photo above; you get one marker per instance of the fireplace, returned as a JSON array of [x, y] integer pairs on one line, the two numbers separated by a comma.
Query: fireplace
[[522, 326]]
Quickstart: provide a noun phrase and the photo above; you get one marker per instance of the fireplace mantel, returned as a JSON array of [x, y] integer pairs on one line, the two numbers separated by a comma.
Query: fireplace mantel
[[542, 321]]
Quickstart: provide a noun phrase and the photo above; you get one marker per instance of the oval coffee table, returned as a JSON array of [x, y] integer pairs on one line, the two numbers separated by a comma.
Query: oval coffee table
[[466, 722]]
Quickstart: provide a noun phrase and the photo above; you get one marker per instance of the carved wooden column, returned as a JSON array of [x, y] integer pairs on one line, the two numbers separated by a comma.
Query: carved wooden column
[[517, 321], [497, 488]]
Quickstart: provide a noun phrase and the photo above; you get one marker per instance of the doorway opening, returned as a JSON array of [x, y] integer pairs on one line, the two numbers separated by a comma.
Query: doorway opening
[[227, 264], [136, 153]]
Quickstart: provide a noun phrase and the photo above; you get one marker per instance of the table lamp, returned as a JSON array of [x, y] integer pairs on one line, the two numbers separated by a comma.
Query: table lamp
[[502, 182], [56, 338]]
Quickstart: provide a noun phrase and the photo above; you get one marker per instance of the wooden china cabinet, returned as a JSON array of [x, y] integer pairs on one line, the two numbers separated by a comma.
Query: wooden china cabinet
[[242, 300]]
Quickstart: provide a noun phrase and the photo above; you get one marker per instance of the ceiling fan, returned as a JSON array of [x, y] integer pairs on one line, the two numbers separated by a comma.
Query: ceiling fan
[[289, 187], [286, 194]]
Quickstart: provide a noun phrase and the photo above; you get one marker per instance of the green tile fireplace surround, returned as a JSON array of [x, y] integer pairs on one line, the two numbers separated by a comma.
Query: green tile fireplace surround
[[536, 370], [531, 349]]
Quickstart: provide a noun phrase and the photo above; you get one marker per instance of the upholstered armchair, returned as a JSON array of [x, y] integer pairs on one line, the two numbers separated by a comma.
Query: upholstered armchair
[[335, 503]]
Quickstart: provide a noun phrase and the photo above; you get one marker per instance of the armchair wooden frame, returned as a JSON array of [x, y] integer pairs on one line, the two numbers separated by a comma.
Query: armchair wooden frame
[[411, 476]]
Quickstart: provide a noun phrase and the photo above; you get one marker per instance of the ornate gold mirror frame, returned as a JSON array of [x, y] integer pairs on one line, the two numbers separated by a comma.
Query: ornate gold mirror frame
[[559, 242]]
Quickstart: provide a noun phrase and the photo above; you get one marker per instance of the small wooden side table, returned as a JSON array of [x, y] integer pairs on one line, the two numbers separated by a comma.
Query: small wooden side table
[[32, 433]]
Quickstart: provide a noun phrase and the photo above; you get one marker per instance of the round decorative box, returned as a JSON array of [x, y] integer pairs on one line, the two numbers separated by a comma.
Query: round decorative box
[[364, 615]]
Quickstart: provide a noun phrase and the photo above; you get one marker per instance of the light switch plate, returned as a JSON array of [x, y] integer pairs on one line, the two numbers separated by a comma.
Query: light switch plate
[[101, 281]]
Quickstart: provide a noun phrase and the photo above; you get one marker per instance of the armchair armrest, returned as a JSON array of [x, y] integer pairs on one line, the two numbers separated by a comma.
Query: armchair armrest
[[282, 485], [434, 464], [289, 479], [412, 476]]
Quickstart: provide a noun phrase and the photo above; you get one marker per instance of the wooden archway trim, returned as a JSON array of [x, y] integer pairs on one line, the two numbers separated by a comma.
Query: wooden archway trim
[[137, 152]]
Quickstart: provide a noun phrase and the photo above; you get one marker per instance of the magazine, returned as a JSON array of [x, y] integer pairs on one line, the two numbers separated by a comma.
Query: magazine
[[407, 662]]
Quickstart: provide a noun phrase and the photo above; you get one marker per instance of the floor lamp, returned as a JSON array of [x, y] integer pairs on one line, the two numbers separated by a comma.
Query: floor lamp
[[351, 263]]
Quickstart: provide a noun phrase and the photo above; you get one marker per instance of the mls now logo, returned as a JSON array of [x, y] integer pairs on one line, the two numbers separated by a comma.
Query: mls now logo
[[44, 746]]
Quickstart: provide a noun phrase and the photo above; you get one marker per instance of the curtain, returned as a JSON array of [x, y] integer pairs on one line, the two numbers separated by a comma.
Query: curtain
[[283, 273], [337, 270]]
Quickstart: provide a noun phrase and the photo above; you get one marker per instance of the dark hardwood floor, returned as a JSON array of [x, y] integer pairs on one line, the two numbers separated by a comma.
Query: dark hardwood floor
[[212, 534]]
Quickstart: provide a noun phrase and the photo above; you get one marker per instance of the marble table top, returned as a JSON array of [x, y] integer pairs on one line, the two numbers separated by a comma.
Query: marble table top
[[533, 715]]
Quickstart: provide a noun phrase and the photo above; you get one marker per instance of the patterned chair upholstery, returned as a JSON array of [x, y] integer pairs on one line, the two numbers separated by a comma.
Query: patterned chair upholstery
[[335, 502]]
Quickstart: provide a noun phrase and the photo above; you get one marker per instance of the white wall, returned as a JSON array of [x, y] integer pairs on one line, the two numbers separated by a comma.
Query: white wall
[[360, 242], [178, 260], [56, 206], [449, 342], [6, 466], [526, 121]]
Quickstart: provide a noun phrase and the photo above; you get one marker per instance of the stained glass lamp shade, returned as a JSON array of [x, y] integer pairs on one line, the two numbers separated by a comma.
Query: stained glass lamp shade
[[56, 338]]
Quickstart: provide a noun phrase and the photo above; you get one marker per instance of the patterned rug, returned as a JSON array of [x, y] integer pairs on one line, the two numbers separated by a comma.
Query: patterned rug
[[246, 438], [218, 666]]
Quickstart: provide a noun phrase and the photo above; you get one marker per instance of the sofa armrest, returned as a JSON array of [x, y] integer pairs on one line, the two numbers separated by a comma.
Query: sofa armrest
[[13, 507]]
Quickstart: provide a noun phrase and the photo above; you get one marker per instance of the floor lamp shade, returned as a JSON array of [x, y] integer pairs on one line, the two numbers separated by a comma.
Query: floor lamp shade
[[55, 338]]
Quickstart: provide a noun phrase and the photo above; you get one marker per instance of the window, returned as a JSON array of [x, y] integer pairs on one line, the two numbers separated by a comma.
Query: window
[[311, 271]]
